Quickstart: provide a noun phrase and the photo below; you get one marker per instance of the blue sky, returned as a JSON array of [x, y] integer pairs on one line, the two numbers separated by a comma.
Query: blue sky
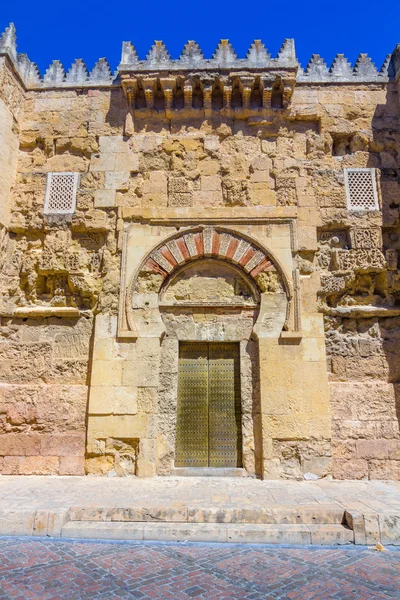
[[90, 29]]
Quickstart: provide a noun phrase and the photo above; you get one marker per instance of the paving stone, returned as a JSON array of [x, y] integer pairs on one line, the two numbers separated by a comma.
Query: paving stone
[[43, 569]]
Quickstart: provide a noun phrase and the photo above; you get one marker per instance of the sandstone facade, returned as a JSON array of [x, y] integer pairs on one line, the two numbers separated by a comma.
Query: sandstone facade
[[223, 200]]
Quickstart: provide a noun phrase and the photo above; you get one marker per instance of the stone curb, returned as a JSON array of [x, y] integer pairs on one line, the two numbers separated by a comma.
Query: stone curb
[[186, 513], [284, 525], [216, 532], [32, 522]]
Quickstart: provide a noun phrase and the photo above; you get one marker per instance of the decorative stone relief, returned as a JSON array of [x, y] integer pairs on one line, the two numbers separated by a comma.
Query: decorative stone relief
[[175, 251], [363, 238], [391, 259], [334, 237], [201, 243], [191, 245], [208, 240], [359, 260], [332, 284]]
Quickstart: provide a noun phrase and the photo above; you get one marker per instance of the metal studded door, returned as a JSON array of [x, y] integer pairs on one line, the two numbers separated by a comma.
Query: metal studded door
[[192, 418], [224, 414], [209, 416]]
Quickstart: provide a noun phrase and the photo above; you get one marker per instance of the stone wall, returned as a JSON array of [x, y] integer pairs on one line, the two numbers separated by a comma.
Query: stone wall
[[363, 356], [274, 176], [43, 395]]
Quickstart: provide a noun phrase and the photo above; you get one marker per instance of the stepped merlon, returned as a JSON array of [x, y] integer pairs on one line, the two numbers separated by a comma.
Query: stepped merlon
[[224, 58]]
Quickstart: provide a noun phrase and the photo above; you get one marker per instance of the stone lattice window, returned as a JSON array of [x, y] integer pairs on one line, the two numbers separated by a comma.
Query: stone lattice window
[[61, 193], [361, 191]]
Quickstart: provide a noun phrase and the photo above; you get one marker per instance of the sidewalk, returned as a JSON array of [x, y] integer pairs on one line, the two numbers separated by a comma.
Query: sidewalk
[[202, 509]]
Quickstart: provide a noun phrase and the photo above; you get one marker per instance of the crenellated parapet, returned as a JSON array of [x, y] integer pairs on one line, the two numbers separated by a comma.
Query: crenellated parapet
[[249, 82], [341, 70], [192, 58], [221, 82], [55, 75]]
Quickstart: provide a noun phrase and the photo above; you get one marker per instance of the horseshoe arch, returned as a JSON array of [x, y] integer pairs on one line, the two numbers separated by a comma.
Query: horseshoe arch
[[257, 264]]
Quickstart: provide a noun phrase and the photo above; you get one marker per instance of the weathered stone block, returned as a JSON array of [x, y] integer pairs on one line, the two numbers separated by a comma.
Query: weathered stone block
[[156, 184], [116, 180], [62, 444], [261, 194], [211, 143], [38, 465], [72, 465], [113, 144], [126, 162], [20, 444], [117, 426], [107, 372], [384, 469], [372, 449], [16, 522], [350, 469], [210, 183], [104, 198], [204, 199], [103, 162]]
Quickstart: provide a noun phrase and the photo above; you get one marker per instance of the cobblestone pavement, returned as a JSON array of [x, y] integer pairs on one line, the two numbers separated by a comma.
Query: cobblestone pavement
[[71, 570]]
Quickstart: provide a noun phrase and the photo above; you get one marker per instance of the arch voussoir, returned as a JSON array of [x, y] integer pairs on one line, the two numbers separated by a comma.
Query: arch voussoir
[[209, 242]]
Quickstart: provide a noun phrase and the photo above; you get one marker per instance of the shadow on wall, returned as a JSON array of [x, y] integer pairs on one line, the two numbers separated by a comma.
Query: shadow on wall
[[385, 156], [252, 351], [156, 118]]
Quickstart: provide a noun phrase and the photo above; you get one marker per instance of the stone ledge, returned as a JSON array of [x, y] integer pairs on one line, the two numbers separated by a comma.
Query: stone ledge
[[37, 312], [209, 472], [190, 512], [123, 334], [293, 336], [209, 214], [361, 311]]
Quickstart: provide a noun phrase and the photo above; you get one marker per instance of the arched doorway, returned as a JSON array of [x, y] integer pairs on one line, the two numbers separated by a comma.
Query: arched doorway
[[222, 288], [208, 294], [209, 308]]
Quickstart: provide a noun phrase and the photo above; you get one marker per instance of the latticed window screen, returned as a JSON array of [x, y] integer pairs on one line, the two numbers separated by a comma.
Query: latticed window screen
[[61, 193], [361, 189]]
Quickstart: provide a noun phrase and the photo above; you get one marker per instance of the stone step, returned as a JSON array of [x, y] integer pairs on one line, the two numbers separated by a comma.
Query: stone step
[[332, 534], [208, 472], [182, 513]]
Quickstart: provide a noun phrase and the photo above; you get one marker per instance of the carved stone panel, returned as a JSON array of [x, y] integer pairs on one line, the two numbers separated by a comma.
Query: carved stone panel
[[363, 238], [332, 285], [359, 260]]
